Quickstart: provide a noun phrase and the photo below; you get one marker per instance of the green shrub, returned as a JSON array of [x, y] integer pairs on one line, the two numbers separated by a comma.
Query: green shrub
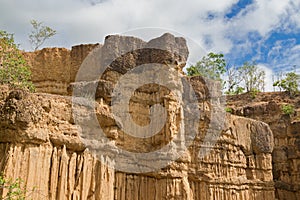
[[288, 109], [253, 93], [15, 190], [228, 109], [211, 66], [290, 83], [14, 71], [239, 90]]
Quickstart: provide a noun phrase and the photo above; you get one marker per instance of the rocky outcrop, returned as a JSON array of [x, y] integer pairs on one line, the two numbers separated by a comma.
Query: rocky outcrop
[[267, 107], [53, 69], [182, 146], [50, 71], [42, 145]]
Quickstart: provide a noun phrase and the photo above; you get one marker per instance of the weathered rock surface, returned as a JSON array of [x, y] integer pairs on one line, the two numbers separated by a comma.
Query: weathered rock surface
[[41, 145], [267, 107], [53, 69], [44, 141]]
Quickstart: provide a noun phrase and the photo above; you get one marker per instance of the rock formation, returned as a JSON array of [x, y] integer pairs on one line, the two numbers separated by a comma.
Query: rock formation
[[53, 69], [267, 107], [49, 140]]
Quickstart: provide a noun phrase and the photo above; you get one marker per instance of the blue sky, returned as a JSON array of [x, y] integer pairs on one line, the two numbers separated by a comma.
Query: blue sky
[[274, 49], [265, 31], [238, 8]]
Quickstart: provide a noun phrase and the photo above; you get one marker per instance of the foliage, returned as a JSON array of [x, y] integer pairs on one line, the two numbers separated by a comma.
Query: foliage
[[252, 76], [39, 34], [253, 93], [228, 109], [14, 188], [233, 81], [288, 109], [211, 66], [14, 70], [290, 83], [239, 90], [247, 78]]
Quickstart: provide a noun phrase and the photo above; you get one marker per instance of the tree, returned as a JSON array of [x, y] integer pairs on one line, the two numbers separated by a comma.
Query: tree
[[39, 34], [212, 66], [290, 83], [14, 69], [278, 76], [252, 77], [233, 81]]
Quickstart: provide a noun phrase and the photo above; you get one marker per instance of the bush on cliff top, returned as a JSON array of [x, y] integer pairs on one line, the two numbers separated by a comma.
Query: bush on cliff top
[[290, 83], [14, 70]]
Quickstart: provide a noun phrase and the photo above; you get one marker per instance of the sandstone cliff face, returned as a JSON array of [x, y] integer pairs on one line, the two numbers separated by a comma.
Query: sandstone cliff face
[[50, 142], [267, 107], [53, 69], [41, 145]]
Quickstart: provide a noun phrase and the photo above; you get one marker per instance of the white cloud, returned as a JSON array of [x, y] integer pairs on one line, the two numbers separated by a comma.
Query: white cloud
[[262, 16], [89, 21], [78, 21], [284, 55], [294, 13]]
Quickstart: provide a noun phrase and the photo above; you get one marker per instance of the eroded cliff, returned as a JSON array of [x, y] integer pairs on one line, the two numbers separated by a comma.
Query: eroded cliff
[[53, 142], [269, 108], [53, 69]]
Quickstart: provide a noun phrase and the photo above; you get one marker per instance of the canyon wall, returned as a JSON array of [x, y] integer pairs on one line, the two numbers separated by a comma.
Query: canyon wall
[[52, 141], [53, 69], [267, 107]]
